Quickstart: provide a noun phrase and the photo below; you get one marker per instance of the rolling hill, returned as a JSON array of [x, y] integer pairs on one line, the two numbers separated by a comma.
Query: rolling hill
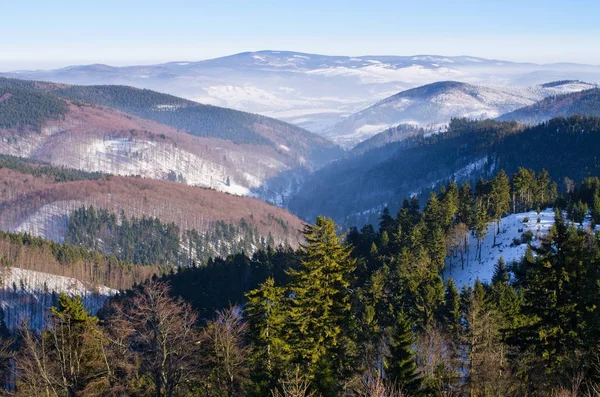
[[585, 103], [470, 149], [433, 106], [128, 131], [40, 199]]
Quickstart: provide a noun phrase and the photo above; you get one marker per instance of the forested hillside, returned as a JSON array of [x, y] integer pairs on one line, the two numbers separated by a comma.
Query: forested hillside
[[584, 103], [56, 203], [128, 131], [184, 115], [382, 322], [467, 151], [21, 107]]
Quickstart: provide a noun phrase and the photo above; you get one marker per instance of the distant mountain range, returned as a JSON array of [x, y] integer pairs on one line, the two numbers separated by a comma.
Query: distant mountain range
[[433, 105], [309, 90]]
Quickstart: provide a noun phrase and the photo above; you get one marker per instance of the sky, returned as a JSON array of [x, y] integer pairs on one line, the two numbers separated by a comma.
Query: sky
[[41, 34]]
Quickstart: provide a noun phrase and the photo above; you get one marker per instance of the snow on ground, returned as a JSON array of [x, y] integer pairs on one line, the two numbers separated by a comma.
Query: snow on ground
[[511, 228], [27, 295], [50, 221]]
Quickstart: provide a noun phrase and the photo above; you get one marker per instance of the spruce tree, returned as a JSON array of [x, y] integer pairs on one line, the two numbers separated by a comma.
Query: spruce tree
[[499, 199], [270, 354], [320, 307], [480, 224], [401, 367], [501, 274], [452, 310]]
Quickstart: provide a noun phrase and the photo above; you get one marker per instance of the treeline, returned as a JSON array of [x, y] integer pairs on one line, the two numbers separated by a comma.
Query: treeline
[[20, 107], [21, 250], [40, 169], [149, 241]]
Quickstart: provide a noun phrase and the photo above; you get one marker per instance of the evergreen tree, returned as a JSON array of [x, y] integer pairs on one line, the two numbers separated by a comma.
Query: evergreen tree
[[401, 367], [452, 310], [480, 224], [465, 207], [499, 199], [501, 274], [450, 204], [266, 312], [321, 326]]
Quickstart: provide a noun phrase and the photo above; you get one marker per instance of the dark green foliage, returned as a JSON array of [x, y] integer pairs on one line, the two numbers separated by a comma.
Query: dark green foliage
[[321, 331], [41, 169], [224, 281], [149, 241], [401, 366], [182, 114], [562, 147], [560, 296], [21, 107], [501, 274], [451, 309], [145, 241]]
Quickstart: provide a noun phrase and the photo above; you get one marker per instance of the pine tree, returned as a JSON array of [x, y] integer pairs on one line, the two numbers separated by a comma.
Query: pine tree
[[450, 204], [386, 222], [452, 311], [501, 274], [559, 285], [499, 199], [266, 312], [320, 306], [465, 207], [401, 367], [480, 224], [542, 189]]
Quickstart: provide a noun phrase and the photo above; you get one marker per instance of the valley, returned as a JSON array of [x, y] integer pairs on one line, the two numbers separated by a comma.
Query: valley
[[305, 224]]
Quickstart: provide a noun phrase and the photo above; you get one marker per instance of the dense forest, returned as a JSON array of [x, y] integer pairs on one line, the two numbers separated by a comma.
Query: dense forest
[[470, 149], [365, 314], [20, 107], [192, 117], [583, 103], [149, 241], [23, 251]]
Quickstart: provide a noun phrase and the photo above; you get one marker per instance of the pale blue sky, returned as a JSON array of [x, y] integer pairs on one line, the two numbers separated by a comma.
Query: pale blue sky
[[42, 34]]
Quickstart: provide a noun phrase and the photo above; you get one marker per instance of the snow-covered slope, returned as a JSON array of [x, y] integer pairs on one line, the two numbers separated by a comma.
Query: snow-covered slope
[[310, 90], [435, 104], [126, 131], [27, 295], [508, 246], [581, 103]]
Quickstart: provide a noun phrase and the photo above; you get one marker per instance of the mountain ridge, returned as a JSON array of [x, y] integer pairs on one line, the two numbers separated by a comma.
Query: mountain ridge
[[433, 105], [310, 90]]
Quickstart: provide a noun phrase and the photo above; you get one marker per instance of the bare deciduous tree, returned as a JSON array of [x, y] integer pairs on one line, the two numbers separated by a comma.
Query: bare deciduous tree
[[224, 353], [161, 331], [294, 385]]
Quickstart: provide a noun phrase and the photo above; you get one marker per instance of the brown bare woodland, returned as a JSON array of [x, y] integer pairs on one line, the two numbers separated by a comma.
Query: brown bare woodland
[[150, 345]]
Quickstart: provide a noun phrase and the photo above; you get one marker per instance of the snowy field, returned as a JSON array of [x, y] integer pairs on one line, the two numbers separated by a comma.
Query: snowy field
[[511, 228]]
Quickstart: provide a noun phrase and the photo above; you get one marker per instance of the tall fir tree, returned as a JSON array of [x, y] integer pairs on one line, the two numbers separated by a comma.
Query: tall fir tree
[[321, 327], [401, 367]]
